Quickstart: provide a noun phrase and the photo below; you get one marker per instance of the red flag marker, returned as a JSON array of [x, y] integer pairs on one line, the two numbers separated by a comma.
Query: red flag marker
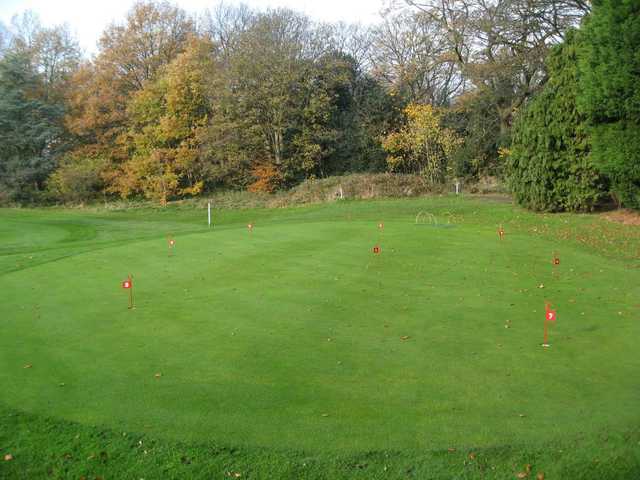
[[128, 285], [376, 250], [549, 316]]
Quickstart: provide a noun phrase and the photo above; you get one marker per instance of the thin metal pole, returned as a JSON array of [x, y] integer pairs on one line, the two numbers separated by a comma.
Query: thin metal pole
[[130, 292]]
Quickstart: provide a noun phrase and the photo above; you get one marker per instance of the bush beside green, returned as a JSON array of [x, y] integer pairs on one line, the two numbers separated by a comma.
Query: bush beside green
[[549, 166], [610, 93]]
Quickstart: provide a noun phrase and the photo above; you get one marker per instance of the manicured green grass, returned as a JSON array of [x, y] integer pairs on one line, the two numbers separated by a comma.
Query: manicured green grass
[[295, 341]]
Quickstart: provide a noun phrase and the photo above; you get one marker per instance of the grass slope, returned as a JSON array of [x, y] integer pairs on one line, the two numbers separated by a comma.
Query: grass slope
[[289, 340]]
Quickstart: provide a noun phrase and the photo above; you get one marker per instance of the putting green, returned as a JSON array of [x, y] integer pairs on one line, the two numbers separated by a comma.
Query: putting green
[[297, 336]]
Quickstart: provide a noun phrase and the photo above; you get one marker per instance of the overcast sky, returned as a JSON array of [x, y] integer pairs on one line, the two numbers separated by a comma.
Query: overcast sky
[[88, 18]]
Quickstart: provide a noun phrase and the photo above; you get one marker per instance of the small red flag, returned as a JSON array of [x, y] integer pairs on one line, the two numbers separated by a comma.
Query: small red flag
[[551, 315], [126, 284], [376, 250]]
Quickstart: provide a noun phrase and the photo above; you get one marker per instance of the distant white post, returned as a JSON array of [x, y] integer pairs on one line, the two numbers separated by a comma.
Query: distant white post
[[457, 187], [209, 213]]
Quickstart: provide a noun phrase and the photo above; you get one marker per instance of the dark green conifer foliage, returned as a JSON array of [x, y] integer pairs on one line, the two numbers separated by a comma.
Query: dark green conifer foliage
[[549, 166], [29, 130], [609, 93]]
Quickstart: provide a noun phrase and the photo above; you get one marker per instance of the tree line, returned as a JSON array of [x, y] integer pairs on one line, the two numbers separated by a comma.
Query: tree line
[[174, 105]]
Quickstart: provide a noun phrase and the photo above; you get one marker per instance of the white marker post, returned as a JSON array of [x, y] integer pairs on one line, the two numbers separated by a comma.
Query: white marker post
[[457, 187], [209, 213]]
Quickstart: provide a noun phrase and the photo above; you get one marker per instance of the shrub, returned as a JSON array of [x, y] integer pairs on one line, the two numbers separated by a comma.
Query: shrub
[[267, 179], [609, 95], [422, 146], [77, 179], [549, 167]]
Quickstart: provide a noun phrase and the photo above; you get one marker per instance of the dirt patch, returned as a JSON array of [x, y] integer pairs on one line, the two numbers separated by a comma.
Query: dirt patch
[[626, 217]]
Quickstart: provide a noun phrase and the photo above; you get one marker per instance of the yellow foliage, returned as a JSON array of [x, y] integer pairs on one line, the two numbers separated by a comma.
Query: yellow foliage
[[503, 152], [422, 146], [168, 118]]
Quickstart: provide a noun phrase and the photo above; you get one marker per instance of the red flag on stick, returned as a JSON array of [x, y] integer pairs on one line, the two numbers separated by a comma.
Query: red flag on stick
[[128, 285], [549, 316]]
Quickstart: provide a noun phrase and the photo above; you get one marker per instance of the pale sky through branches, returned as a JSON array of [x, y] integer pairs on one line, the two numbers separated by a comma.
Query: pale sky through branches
[[88, 18]]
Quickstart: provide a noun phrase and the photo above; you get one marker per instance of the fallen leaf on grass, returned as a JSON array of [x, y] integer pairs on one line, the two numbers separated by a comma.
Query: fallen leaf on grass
[[8, 457], [28, 365], [405, 337], [158, 375], [472, 456], [325, 414], [541, 285], [522, 475], [452, 450], [540, 476]]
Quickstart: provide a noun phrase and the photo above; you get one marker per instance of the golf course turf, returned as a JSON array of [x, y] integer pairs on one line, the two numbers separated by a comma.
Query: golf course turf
[[294, 343]]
